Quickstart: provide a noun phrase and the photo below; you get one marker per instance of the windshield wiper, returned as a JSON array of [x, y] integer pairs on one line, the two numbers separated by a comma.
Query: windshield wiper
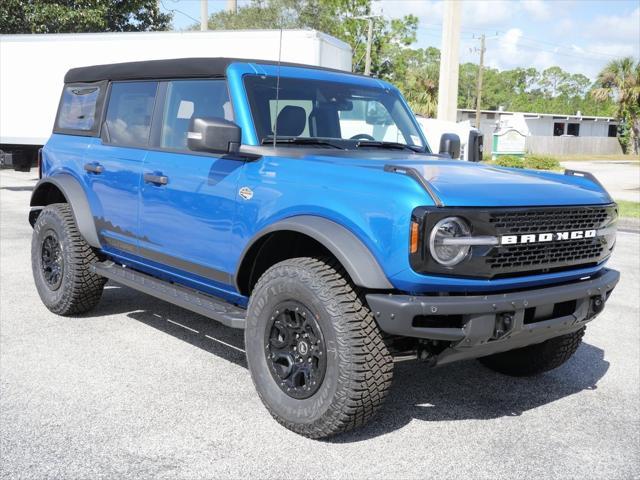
[[300, 141], [387, 145]]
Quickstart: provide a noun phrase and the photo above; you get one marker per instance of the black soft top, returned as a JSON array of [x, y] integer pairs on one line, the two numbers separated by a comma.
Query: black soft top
[[162, 69]]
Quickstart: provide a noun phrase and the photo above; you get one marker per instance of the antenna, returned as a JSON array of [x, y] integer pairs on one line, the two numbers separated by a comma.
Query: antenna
[[275, 127]]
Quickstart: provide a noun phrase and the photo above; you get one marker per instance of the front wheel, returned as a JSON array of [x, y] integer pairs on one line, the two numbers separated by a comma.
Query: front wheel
[[315, 353], [535, 359]]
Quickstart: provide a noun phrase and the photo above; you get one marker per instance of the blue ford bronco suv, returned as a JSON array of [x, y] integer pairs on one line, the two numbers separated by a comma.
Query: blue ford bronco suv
[[304, 206]]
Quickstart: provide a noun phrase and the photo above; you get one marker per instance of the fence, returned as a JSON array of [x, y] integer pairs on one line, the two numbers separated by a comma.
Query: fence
[[573, 145]]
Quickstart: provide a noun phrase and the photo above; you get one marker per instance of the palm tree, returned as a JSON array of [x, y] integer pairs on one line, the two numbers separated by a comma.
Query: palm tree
[[421, 90], [620, 80]]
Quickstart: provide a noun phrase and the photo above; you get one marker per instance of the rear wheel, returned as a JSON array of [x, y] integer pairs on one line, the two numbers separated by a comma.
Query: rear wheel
[[315, 353], [61, 260], [535, 359]]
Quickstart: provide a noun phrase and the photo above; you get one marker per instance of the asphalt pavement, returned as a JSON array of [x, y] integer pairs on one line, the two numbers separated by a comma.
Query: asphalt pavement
[[141, 389]]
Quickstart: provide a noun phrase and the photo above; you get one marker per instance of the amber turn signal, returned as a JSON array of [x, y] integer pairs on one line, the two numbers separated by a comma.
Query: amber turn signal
[[414, 237]]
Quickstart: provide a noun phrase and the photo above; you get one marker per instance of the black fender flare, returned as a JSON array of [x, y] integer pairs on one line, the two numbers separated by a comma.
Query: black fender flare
[[76, 198], [353, 255]]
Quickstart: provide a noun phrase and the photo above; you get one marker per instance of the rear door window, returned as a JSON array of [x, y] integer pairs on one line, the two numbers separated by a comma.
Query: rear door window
[[79, 109], [129, 113], [187, 99]]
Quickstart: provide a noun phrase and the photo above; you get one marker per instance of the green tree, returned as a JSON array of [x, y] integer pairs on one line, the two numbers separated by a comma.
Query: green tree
[[467, 85], [415, 72], [576, 85], [335, 17], [75, 16], [620, 80], [528, 90], [551, 80]]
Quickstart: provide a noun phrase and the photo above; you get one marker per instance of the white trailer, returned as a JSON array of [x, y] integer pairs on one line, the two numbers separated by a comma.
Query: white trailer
[[32, 68]]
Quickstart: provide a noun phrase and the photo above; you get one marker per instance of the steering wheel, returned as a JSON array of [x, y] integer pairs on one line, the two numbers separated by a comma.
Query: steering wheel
[[363, 136]]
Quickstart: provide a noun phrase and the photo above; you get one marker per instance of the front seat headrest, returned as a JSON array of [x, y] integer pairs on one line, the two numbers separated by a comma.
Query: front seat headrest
[[291, 121]]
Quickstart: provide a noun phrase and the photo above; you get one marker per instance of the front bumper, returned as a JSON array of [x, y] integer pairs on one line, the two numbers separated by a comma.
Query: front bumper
[[479, 325]]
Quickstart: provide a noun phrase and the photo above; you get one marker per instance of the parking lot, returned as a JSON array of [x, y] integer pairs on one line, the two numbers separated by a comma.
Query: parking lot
[[139, 388]]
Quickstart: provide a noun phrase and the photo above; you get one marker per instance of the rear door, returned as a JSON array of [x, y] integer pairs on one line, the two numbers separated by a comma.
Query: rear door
[[113, 164], [188, 198]]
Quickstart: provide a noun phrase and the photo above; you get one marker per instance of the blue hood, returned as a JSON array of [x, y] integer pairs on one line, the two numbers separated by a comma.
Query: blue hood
[[467, 184], [464, 184]]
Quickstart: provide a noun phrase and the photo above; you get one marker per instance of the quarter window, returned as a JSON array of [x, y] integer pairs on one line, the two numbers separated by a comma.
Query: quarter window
[[78, 108], [129, 112], [187, 99]]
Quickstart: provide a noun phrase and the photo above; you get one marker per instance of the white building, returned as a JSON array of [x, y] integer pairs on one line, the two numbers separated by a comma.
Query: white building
[[578, 133], [543, 124]]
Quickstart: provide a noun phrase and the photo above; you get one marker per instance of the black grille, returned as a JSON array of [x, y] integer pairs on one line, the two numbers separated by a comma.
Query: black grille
[[521, 258], [549, 255], [549, 220], [527, 256]]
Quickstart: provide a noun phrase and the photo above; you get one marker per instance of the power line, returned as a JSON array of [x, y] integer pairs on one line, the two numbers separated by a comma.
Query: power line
[[175, 10], [586, 52], [561, 53]]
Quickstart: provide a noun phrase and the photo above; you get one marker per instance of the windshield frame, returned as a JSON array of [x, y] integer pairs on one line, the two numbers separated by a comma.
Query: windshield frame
[[237, 72]]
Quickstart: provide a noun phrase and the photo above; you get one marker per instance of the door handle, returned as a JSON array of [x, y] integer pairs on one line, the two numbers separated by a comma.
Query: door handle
[[156, 178], [94, 167]]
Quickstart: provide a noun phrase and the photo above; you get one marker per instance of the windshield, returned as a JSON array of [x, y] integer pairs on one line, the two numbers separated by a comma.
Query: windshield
[[308, 109]]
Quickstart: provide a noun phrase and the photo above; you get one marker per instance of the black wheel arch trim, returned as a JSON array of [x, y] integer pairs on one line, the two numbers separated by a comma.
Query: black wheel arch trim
[[353, 255], [76, 198]]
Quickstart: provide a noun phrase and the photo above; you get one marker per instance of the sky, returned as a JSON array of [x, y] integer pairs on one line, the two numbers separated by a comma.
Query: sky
[[580, 36]]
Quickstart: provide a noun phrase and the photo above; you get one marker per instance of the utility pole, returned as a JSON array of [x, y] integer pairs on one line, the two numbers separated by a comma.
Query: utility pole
[[367, 61], [480, 69], [204, 15], [449, 61], [232, 6]]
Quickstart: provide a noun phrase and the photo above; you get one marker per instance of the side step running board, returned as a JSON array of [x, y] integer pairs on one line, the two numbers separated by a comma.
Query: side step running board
[[207, 305]]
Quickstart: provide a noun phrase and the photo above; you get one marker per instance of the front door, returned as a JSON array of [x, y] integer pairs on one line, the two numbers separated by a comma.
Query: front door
[[188, 199], [113, 165]]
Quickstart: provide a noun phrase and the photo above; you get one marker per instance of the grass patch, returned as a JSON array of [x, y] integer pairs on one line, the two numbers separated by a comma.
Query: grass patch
[[628, 209], [532, 162]]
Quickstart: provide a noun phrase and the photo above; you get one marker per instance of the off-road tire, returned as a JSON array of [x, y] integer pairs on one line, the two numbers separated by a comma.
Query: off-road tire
[[80, 289], [535, 359], [359, 367]]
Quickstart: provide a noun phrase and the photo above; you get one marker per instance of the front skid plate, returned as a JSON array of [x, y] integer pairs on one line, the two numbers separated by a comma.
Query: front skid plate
[[480, 313]]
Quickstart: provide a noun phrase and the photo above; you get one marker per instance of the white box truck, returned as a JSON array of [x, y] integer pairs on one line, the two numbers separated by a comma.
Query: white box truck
[[32, 68]]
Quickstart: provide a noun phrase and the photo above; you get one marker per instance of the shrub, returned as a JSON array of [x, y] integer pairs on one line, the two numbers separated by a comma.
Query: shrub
[[510, 161], [541, 162]]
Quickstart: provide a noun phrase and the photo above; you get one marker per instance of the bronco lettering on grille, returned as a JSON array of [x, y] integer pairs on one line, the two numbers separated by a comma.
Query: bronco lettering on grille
[[547, 237]]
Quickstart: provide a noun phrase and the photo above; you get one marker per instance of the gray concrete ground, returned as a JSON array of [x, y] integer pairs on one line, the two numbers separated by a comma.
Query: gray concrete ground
[[621, 178], [141, 389]]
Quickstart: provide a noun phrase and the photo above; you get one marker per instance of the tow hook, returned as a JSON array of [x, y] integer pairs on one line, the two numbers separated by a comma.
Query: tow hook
[[428, 351], [596, 304], [504, 323]]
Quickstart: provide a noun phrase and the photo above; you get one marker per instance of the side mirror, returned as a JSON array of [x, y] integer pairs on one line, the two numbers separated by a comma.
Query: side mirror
[[213, 135], [475, 146], [450, 145], [377, 114]]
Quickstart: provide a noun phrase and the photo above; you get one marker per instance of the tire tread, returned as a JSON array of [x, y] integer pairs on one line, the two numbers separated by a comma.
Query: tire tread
[[371, 366], [535, 359]]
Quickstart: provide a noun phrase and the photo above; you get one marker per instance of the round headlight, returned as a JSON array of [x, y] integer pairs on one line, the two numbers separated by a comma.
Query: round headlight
[[442, 250]]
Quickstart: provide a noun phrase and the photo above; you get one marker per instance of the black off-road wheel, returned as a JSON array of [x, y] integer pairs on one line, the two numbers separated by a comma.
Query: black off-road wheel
[[60, 260], [315, 353], [535, 359]]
